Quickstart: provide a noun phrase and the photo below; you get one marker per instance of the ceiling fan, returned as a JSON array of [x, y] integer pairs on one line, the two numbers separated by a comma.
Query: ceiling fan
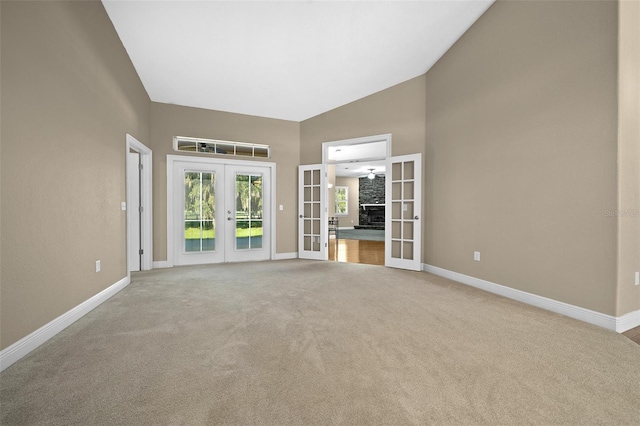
[[370, 175]]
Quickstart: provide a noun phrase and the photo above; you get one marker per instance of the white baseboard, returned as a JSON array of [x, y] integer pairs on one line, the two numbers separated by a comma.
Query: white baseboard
[[278, 256], [283, 256], [618, 324], [22, 347], [628, 321]]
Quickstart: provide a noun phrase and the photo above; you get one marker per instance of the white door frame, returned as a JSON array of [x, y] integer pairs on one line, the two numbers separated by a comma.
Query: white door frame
[[171, 159], [356, 141], [146, 161], [134, 257]]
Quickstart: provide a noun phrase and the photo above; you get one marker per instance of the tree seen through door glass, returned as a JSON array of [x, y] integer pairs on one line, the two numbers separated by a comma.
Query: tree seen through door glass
[[249, 211], [199, 211]]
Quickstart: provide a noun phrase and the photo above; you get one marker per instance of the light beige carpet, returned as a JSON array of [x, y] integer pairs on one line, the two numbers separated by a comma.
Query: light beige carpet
[[303, 342]]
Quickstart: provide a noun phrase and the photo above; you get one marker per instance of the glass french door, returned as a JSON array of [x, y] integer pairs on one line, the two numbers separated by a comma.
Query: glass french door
[[403, 205], [247, 212], [199, 201], [221, 213], [312, 218]]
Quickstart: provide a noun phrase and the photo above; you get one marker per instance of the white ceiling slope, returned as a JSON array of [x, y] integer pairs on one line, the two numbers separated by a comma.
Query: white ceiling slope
[[284, 59]]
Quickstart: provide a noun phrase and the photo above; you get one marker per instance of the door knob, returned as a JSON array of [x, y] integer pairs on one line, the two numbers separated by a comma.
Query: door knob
[[416, 218], [229, 218], [301, 216]]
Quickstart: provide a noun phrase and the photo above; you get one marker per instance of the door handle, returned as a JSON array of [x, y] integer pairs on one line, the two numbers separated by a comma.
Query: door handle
[[229, 218], [416, 218], [301, 216]]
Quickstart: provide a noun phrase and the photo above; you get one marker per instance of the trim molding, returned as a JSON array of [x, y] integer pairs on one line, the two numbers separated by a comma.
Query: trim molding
[[22, 347], [628, 321], [161, 264], [283, 256], [146, 187], [618, 324]]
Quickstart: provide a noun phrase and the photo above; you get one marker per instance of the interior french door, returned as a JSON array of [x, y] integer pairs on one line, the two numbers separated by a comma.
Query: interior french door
[[312, 217], [403, 205], [221, 213]]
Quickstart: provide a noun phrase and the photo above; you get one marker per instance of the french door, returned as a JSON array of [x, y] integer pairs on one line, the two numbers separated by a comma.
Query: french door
[[221, 213], [312, 217], [403, 204], [247, 213]]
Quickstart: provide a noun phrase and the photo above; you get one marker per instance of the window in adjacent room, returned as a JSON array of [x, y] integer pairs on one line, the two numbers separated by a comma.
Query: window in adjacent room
[[342, 200]]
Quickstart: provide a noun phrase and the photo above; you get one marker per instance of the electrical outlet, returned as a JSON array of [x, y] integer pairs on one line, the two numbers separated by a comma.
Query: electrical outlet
[[97, 266], [637, 278], [476, 256]]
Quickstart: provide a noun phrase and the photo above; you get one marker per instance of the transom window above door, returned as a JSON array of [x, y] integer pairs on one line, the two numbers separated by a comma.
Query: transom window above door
[[219, 147]]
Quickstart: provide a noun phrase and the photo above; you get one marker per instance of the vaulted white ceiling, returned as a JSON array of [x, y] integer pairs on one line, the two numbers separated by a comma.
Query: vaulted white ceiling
[[284, 59]]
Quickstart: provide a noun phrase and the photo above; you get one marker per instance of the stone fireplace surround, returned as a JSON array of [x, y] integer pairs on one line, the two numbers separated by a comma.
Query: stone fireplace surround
[[371, 193]]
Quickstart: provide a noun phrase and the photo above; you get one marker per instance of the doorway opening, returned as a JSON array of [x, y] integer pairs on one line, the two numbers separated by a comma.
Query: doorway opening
[[356, 198], [138, 205]]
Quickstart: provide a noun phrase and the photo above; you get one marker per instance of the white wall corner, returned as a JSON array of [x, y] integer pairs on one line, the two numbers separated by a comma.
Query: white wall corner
[[618, 324], [24, 346]]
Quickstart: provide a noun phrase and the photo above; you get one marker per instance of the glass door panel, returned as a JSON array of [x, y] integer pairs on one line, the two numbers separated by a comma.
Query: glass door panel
[[248, 209], [199, 211], [403, 204], [312, 226]]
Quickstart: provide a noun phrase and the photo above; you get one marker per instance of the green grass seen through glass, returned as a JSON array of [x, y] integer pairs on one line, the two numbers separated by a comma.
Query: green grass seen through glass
[[194, 233]]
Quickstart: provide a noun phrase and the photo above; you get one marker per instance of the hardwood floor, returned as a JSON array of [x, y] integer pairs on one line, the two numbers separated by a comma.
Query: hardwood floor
[[633, 334], [357, 251]]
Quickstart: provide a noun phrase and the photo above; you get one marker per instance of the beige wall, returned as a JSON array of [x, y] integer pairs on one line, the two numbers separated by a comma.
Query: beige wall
[[521, 151], [399, 110], [353, 218], [628, 156], [168, 121], [69, 96], [517, 124]]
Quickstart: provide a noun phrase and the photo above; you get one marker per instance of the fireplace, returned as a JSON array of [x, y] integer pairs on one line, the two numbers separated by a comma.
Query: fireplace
[[375, 216], [371, 216], [371, 197]]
